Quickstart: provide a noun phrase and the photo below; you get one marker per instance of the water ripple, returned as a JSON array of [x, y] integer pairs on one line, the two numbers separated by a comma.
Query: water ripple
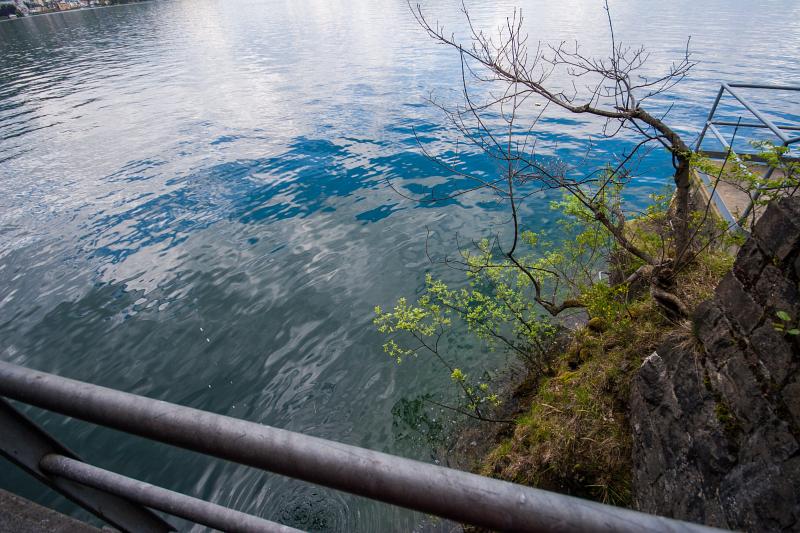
[[196, 207]]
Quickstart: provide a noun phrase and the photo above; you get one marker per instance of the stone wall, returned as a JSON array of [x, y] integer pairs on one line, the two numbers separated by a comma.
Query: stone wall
[[716, 414]]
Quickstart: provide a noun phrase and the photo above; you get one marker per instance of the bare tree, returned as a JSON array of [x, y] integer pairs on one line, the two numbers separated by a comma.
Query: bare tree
[[613, 88]]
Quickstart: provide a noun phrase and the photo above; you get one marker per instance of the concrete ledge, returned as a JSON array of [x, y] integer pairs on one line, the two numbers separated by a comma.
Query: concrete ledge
[[18, 515]]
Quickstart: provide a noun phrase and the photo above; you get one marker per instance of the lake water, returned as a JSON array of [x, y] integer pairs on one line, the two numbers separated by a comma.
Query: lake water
[[194, 208]]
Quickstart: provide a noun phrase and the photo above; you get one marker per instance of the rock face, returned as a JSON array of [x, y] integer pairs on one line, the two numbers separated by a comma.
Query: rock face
[[716, 415]]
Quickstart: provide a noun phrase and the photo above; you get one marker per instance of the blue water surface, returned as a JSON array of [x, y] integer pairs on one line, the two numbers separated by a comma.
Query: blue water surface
[[195, 206]]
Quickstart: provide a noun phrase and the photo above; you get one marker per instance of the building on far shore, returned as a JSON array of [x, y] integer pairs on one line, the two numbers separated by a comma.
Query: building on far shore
[[16, 8], [13, 8]]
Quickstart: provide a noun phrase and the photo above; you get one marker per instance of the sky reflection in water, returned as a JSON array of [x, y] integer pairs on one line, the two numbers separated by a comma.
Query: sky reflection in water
[[195, 207]]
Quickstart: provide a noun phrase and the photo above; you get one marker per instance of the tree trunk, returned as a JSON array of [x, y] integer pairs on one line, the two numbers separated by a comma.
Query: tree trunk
[[683, 178], [683, 183]]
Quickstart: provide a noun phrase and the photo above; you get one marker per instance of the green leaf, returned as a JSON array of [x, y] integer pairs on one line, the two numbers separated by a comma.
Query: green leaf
[[783, 315], [794, 332]]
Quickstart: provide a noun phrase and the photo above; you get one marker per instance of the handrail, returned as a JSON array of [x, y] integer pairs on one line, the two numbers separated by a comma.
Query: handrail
[[174, 503], [421, 486], [771, 87], [765, 122], [752, 125], [763, 119], [758, 114]]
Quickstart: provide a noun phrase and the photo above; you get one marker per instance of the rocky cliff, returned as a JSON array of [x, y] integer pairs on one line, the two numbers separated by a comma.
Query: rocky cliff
[[715, 413]]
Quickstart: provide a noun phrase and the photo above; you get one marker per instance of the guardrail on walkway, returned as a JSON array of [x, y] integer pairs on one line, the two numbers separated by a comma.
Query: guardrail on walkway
[[781, 132], [124, 502]]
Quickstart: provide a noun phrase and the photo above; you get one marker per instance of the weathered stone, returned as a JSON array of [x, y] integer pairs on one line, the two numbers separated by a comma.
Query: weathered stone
[[737, 304], [775, 292], [777, 231], [774, 351], [749, 263], [688, 377], [660, 440], [770, 442], [653, 375], [797, 268], [758, 497], [711, 327], [791, 398], [740, 393], [717, 430], [792, 207], [710, 449]]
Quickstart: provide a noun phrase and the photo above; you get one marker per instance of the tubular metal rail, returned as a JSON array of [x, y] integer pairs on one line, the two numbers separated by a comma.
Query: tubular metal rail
[[125, 502], [781, 132]]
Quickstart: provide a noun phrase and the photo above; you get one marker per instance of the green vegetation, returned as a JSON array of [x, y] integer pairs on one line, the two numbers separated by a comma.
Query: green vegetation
[[575, 437], [730, 424], [500, 305], [786, 324], [630, 276]]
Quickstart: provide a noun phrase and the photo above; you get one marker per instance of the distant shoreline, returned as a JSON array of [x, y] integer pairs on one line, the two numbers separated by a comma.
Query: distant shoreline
[[77, 9]]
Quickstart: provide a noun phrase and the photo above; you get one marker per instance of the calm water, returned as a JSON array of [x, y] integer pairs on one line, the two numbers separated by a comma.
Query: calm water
[[194, 208]]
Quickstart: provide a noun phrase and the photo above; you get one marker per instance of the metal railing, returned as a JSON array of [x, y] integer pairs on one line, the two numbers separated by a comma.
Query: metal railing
[[124, 502], [764, 122]]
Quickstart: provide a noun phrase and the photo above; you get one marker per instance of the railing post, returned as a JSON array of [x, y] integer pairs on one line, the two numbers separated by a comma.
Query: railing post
[[25, 444], [708, 120], [755, 197]]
